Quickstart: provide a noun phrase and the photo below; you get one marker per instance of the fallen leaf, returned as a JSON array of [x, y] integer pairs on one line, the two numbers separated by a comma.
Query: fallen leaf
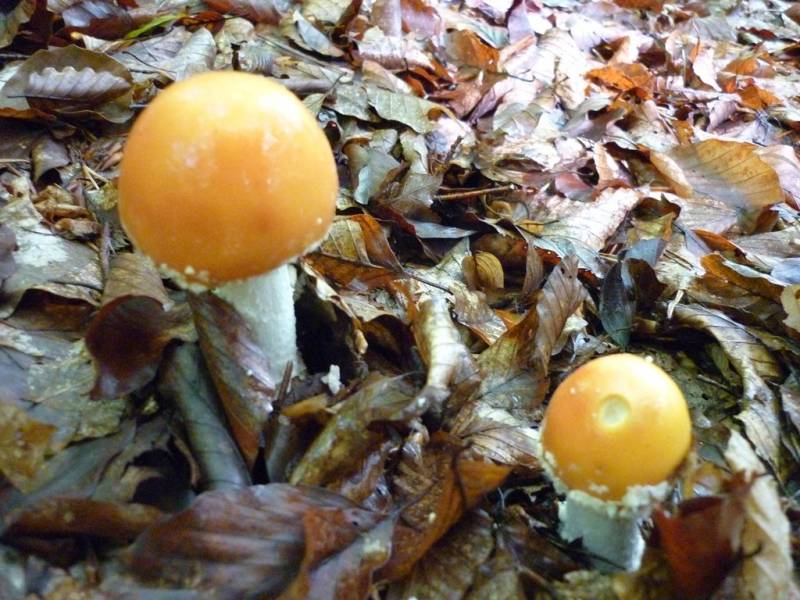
[[767, 571], [562, 295], [185, 382], [404, 108], [98, 18], [701, 541], [728, 171], [449, 362], [626, 78], [46, 261], [24, 444], [352, 431], [235, 541], [238, 367], [453, 564], [438, 489], [343, 549], [257, 11], [134, 325], [8, 244], [72, 82], [11, 20]]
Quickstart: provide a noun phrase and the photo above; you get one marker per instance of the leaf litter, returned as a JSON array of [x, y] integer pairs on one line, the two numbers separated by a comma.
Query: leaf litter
[[525, 186]]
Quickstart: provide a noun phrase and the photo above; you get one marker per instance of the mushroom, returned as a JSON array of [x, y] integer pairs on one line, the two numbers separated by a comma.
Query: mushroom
[[225, 178], [614, 433]]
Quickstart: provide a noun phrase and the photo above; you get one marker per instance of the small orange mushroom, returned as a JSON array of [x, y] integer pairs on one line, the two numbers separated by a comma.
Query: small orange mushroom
[[225, 177], [614, 432], [616, 422]]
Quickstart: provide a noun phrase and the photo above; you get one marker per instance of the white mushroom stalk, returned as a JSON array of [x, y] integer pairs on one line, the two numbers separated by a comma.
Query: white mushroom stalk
[[266, 303]]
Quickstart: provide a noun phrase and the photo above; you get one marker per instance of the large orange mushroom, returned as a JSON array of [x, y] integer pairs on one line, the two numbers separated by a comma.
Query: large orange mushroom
[[614, 433], [226, 177]]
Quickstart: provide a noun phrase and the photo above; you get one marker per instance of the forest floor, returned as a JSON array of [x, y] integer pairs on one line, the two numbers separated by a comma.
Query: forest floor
[[526, 185]]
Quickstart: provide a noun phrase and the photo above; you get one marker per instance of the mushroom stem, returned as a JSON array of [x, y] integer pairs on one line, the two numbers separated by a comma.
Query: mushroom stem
[[266, 303], [610, 530]]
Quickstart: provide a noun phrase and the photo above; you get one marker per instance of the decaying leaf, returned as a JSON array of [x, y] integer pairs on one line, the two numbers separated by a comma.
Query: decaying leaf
[[239, 541], [449, 362], [238, 368], [134, 325], [352, 431]]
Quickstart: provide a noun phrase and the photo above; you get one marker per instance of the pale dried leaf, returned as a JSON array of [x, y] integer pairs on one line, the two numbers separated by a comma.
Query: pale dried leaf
[[449, 361], [10, 21], [790, 300], [561, 296], [732, 172], [196, 56], [767, 571], [46, 260], [414, 112]]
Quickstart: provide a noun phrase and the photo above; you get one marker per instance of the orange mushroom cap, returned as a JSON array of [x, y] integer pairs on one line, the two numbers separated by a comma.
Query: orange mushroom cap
[[224, 176], [616, 422]]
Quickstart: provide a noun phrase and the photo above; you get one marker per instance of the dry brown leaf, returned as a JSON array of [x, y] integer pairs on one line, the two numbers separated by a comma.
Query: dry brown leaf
[[353, 430], [767, 572], [238, 367], [561, 296], [754, 363], [24, 444], [135, 323], [625, 78], [728, 171], [70, 81], [438, 488], [790, 300], [450, 363]]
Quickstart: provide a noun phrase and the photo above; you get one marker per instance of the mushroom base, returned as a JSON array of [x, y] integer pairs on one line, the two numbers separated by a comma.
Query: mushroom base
[[609, 530], [266, 303]]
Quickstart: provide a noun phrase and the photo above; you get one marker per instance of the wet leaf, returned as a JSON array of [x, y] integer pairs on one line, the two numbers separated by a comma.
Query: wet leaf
[[238, 368], [453, 563], [354, 430], [236, 541], [135, 323]]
